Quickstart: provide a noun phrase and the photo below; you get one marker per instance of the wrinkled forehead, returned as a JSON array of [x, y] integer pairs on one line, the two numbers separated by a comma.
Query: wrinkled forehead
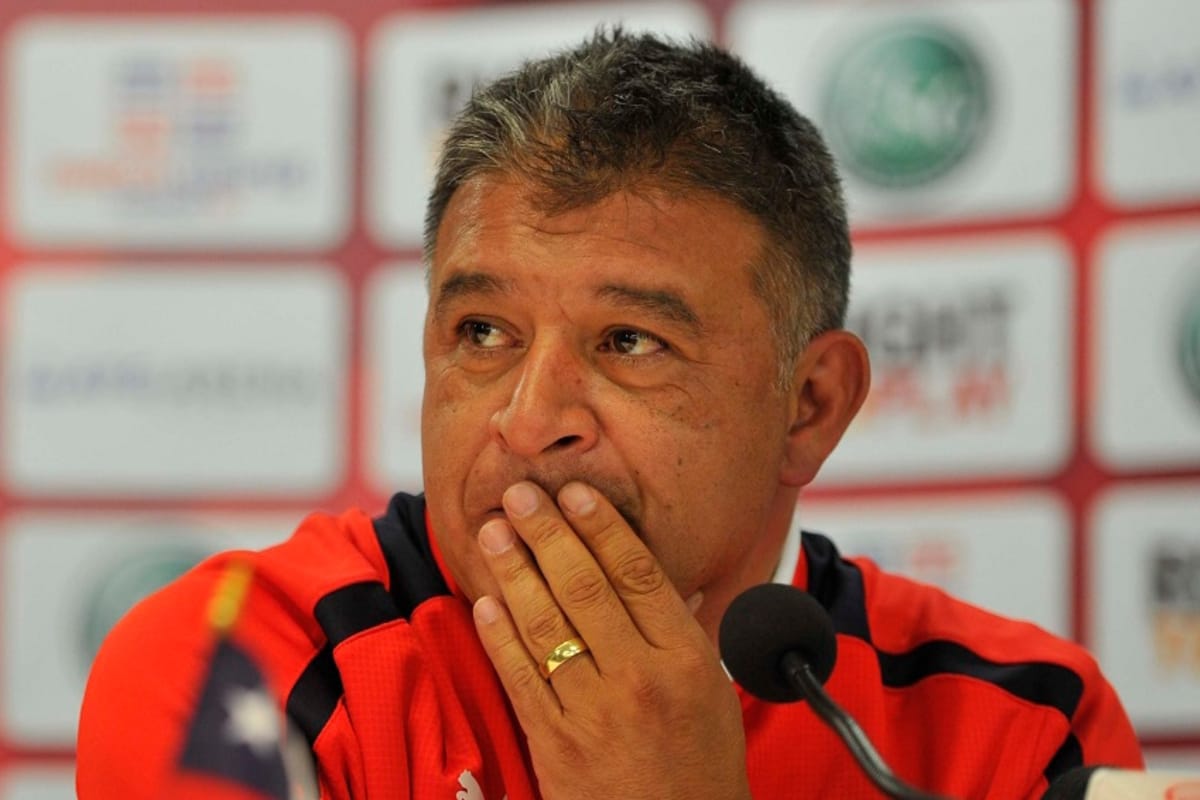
[[553, 189], [558, 206], [666, 252]]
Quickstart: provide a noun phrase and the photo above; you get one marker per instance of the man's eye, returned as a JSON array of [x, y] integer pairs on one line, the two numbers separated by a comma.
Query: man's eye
[[482, 334], [630, 342]]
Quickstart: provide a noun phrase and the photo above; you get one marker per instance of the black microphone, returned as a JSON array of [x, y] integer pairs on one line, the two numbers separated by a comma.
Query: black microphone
[[779, 644]]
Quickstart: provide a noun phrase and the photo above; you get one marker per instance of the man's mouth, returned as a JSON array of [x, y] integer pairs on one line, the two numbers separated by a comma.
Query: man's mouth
[[625, 506]]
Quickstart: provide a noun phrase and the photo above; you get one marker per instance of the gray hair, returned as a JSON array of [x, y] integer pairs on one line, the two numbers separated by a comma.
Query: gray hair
[[622, 110]]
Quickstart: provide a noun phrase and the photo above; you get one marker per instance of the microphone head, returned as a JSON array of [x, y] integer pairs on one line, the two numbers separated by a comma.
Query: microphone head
[[767, 621]]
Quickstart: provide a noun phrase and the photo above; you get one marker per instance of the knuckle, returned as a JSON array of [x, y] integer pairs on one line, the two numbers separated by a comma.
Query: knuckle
[[615, 526], [525, 682], [513, 571], [584, 589], [639, 574], [546, 625], [544, 530], [571, 751], [647, 691]]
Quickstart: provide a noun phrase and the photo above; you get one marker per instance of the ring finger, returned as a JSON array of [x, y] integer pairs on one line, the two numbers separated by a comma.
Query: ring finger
[[540, 621]]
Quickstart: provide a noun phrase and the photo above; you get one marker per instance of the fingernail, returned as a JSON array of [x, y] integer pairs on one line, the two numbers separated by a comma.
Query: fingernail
[[577, 498], [693, 602], [520, 500], [487, 610], [496, 536]]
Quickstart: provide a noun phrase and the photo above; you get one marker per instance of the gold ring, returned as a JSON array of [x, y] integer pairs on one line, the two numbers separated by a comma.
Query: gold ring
[[562, 654]]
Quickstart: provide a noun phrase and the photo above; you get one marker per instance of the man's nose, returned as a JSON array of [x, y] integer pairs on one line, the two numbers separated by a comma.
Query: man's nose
[[549, 408]]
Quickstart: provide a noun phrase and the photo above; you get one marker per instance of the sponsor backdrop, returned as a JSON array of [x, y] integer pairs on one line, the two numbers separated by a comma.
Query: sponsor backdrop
[[211, 300]]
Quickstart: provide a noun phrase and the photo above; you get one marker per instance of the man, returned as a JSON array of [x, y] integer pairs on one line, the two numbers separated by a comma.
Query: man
[[638, 267]]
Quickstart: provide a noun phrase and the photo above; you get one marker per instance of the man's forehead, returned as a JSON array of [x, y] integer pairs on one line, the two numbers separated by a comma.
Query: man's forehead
[[648, 245], [618, 205]]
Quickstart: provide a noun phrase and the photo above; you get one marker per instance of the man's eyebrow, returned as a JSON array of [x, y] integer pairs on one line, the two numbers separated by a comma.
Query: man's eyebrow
[[462, 284], [662, 303]]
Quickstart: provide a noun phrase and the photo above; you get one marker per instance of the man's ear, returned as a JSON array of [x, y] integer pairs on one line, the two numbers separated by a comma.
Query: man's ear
[[829, 386]]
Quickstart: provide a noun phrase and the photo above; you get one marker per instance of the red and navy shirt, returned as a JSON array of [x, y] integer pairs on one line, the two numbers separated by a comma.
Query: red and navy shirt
[[376, 660]]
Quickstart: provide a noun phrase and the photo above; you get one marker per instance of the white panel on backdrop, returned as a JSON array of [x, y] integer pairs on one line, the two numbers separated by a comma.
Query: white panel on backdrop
[[970, 347], [230, 132], [1146, 350], [1008, 553], [424, 65], [68, 577], [934, 110], [395, 376], [1145, 602], [170, 380], [1173, 759], [1147, 81], [38, 783]]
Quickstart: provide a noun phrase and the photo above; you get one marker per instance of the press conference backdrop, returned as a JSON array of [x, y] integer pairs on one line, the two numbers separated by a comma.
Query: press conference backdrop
[[211, 301]]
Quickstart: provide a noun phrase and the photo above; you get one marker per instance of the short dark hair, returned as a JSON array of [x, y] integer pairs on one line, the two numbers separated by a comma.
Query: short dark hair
[[621, 110]]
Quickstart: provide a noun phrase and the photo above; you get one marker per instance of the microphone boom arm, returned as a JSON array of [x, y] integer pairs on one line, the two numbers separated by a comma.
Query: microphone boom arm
[[801, 676]]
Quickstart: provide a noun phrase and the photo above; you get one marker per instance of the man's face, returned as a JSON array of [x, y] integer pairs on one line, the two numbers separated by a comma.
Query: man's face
[[621, 344]]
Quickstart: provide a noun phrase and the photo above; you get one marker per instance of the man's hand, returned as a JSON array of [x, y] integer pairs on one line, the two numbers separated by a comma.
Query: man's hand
[[647, 711]]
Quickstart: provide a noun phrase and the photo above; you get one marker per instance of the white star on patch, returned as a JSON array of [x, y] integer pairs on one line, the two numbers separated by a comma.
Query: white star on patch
[[253, 720]]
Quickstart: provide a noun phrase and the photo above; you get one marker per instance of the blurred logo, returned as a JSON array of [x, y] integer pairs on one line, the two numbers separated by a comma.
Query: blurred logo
[[137, 380], [937, 361], [448, 87], [934, 558], [1175, 604], [1160, 80], [905, 106], [126, 580], [1189, 345], [177, 143]]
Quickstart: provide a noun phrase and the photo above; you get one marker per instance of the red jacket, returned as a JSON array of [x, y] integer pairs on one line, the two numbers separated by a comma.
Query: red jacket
[[377, 663]]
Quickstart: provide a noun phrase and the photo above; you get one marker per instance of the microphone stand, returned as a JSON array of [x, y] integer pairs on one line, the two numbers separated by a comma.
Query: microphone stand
[[800, 675]]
